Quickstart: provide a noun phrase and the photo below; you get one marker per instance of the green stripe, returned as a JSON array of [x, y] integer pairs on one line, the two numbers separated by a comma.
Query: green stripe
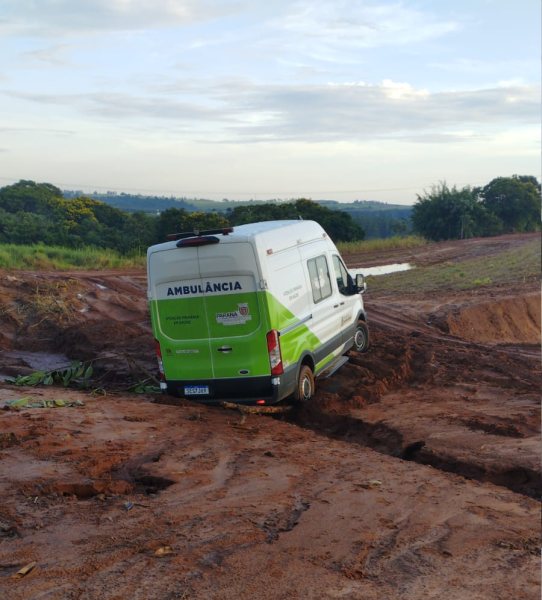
[[181, 325]]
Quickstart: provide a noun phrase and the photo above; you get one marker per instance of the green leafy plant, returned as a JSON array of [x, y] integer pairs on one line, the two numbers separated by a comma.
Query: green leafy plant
[[61, 376], [29, 402], [143, 387]]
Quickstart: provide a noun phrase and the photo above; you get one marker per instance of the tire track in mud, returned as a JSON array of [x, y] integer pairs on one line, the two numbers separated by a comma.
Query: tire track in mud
[[424, 396], [389, 441]]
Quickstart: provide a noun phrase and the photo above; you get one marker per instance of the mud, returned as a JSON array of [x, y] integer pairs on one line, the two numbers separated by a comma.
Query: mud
[[414, 471]]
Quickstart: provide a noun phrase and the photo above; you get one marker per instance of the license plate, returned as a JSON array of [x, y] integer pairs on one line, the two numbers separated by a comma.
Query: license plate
[[196, 390]]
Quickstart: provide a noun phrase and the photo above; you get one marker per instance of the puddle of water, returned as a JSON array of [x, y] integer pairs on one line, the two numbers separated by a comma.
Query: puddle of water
[[383, 270], [39, 361]]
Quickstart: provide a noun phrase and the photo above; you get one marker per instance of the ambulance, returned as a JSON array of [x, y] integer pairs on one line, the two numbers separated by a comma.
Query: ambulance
[[252, 314]]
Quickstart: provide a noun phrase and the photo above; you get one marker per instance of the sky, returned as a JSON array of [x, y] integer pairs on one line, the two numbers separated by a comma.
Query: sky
[[251, 99]]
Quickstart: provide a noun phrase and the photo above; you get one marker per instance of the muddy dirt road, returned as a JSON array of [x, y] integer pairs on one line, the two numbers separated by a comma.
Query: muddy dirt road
[[413, 473]]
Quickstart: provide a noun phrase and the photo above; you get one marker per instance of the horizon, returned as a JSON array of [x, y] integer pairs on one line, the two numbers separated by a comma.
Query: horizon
[[106, 190]]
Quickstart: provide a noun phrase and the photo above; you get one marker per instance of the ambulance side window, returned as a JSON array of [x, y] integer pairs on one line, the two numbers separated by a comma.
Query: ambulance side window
[[320, 281], [344, 281]]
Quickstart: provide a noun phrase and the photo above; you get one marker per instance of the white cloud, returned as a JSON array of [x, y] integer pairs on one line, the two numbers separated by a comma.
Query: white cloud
[[392, 89], [317, 22], [509, 83], [53, 55], [50, 18], [241, 112]]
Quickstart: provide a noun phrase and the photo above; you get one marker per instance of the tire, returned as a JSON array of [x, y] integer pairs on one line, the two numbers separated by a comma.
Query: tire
[[361, 338], [305, 385]]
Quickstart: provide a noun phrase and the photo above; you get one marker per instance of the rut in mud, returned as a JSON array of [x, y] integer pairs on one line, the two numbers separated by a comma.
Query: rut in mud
[[390, 441], [389, 399]]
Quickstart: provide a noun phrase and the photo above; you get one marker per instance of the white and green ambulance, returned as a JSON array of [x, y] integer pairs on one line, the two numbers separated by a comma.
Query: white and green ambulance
[[252, 314]]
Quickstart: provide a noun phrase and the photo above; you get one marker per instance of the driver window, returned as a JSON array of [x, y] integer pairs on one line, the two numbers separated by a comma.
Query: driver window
[[341, 275]]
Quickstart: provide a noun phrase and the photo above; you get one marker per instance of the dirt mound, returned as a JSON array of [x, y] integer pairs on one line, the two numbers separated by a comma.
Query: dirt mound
[[510, 320], [103, 317]]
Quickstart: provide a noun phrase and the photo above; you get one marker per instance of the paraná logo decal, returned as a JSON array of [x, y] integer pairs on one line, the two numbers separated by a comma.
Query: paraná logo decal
[[235, 317]]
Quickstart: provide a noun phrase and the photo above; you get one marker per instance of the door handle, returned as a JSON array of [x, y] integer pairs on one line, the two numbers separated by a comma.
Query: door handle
[[335, 306], [342, 303], [225, 349]]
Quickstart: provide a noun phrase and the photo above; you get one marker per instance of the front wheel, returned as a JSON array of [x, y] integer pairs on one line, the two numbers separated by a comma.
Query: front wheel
[[361, 337], [305, 385]]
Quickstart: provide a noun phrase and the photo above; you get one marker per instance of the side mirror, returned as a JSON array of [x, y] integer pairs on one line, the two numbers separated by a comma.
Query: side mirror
[[361, 286]]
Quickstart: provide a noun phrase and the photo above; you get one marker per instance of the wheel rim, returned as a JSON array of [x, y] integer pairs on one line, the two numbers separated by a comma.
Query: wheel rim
[[360, 338], [305, 389]]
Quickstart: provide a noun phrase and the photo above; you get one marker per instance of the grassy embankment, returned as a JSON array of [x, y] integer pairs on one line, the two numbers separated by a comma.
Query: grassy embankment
[[510, 267], [513, 266], [54, 258], [381, 245]]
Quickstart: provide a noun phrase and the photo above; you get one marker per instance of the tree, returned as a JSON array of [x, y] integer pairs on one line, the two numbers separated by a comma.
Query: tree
[[105, 214], [175, 220], [399, 227], [138, 232], [338, 225], [515, 200], [28, 196], [448, 213], [26, 228]]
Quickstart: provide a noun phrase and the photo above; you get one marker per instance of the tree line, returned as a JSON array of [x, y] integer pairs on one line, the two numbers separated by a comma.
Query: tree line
[[504, 205], [378, 219], [32, 213]]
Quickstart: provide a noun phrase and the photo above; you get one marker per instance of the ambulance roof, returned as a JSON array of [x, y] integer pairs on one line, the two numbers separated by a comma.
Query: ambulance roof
[[275, 235]]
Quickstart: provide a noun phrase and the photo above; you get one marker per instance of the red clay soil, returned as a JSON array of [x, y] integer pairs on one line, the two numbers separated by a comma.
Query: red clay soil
[[412, 473]]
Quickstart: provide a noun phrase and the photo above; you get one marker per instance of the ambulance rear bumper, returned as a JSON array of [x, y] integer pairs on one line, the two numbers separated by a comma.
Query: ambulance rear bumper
[[239, 390]]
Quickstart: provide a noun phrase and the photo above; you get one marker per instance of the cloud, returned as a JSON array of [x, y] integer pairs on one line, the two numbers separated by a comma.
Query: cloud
[[316, 29], [35, 130], [239, 111], [444, 138], [49, 18], [486, 68], [53, 55], [320, 25], [361, 113], [124, 106], [391, 89]]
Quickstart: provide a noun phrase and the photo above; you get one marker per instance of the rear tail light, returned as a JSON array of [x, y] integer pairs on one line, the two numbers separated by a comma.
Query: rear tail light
[[273, 349], [159, 357]]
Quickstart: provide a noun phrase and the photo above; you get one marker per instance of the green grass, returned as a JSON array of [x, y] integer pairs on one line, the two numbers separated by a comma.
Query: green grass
[[509, 267], [381, 245], [55, 258]]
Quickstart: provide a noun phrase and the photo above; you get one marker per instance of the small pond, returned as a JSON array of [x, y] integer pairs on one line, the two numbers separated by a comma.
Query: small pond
[[383, 270]]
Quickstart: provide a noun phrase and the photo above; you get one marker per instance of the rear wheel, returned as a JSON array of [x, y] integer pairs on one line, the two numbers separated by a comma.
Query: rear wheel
[[305, 384], [361, 337]]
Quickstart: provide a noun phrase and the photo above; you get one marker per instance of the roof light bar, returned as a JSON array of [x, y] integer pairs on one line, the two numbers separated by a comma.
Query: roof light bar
[[197, 233], [198, 241]]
